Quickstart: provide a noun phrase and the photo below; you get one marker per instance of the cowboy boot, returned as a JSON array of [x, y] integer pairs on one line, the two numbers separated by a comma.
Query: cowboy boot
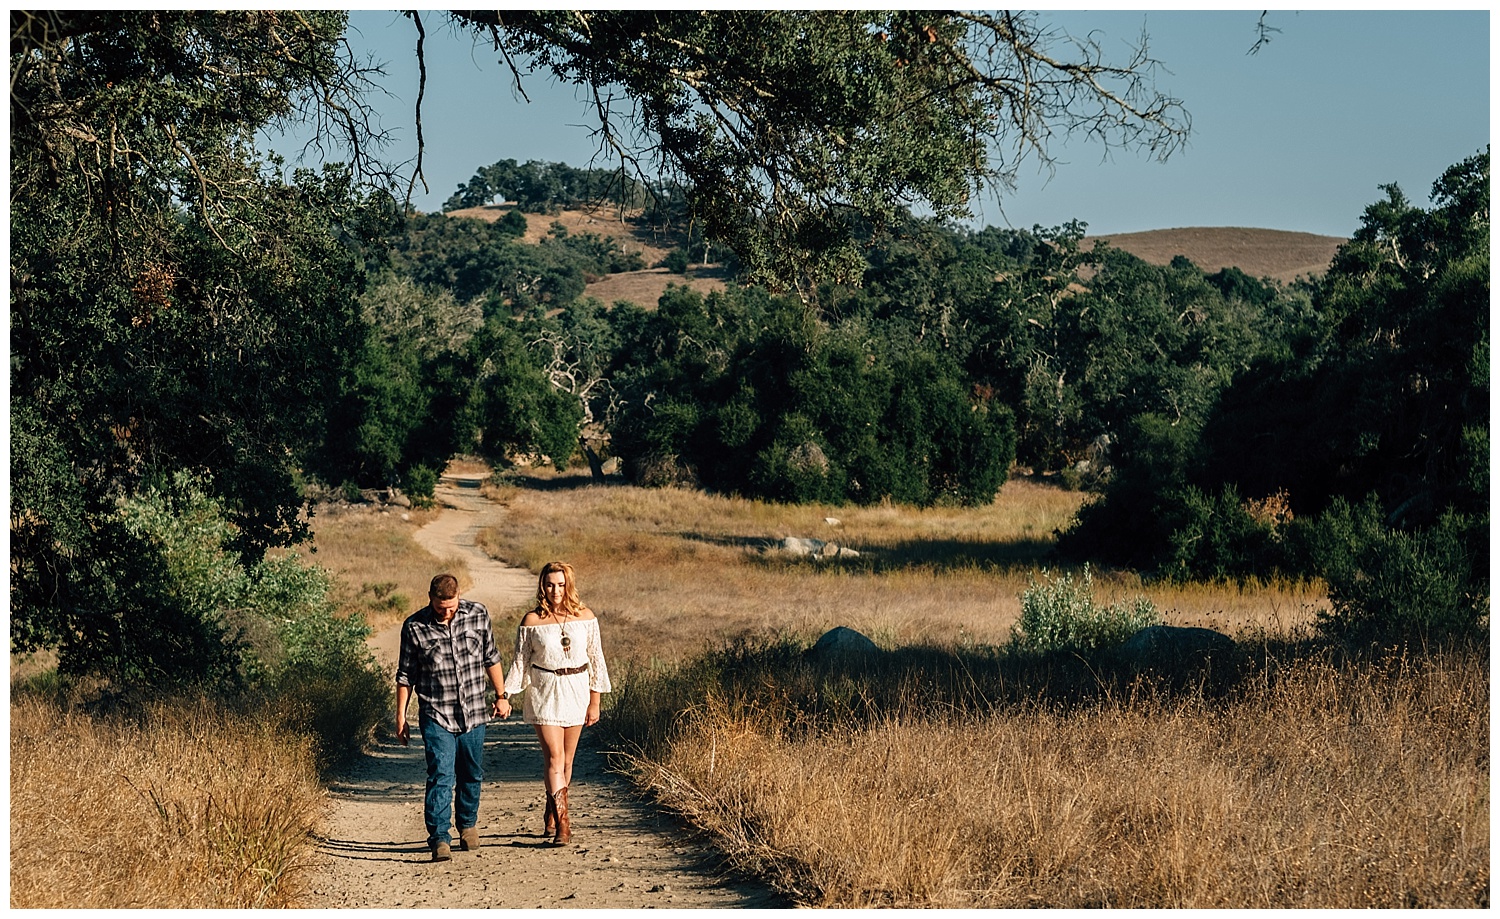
[[564, 832], [550, 817]]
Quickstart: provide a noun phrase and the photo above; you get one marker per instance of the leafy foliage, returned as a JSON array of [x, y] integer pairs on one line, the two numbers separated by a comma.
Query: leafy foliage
[[1385, 582], [1061, 615], [317, 668], [793, 132], [176, 304], [751, 394], [1366, 419], [545, 188]]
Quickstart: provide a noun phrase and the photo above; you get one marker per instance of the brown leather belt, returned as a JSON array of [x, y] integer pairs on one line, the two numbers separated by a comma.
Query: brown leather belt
[[566, 671]]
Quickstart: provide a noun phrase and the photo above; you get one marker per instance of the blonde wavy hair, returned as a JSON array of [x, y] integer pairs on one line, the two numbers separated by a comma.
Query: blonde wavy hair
[[571, 605]]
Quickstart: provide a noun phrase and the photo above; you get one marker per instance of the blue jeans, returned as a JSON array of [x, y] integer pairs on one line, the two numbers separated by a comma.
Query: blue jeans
[[452, 760]]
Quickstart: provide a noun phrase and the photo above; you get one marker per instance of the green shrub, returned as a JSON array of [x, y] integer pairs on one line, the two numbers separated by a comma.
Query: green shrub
[[1061, 615], [421, 483], [318, 668], [1390, 583], [149, 603], [1215, 537], [676, 261]]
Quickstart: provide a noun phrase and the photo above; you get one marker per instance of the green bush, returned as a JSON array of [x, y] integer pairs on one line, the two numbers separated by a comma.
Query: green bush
[[149, 603], [168, 606], [421, 483], [1390, 583], [1061, 615], [676, 261], [1215, 537], [318, 669]]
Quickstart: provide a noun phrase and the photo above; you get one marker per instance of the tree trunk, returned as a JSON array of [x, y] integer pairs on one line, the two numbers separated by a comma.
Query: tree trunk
[[596, 465]]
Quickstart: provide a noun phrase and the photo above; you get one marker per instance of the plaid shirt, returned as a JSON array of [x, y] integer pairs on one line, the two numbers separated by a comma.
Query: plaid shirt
[[445, 665]]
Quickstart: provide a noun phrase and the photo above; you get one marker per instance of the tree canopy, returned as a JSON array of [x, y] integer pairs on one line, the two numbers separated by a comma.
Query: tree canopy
[[197, 329], [177, 303], [794, 131]]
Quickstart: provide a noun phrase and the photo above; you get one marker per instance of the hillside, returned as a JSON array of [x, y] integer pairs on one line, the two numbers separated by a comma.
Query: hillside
[[643, 288], [1277, 254]]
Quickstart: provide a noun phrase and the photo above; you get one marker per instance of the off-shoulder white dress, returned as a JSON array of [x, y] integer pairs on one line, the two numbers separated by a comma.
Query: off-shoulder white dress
[[552, 698]]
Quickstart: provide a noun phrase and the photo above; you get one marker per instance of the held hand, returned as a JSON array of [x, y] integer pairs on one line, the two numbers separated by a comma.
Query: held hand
[[501, 709], [403, 732]]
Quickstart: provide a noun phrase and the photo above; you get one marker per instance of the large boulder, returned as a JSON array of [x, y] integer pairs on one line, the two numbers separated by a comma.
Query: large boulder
[[798, 545], [1180, 652], [842, 642], [808, 457]]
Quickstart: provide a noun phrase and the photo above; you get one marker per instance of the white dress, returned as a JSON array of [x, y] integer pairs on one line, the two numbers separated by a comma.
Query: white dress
[[553, 698]]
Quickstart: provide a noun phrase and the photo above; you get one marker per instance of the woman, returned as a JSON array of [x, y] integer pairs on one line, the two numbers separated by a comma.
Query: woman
[[560, 664]]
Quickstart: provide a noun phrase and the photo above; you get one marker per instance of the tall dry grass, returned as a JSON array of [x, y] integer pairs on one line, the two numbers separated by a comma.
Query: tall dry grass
[[189, 805], [184, 806], [1315, 785], [953, 775]]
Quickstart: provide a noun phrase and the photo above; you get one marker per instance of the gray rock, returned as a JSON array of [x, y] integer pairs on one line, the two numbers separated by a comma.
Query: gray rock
[[816, 549], [1178, 650], [842, 641], [797, 545], [808, 457]]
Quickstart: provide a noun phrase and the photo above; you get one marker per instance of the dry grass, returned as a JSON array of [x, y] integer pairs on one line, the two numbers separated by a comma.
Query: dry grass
[[1279, 254], [1317, 786], [671, 571], [1313, 784], [381, 572], [187, 807]]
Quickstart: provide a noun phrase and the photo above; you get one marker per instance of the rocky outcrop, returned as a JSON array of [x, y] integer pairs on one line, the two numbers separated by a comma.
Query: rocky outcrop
[[807, 547]]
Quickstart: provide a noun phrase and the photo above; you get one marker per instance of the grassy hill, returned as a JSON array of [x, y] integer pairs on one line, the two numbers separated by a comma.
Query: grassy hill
[[643, 288], [1277, 254]]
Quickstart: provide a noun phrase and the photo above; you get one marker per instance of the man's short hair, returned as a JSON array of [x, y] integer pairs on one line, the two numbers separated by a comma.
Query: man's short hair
[[444, 587]]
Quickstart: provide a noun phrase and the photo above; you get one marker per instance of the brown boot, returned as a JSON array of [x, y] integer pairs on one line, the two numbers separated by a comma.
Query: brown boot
[[550, 817], [564, 832]]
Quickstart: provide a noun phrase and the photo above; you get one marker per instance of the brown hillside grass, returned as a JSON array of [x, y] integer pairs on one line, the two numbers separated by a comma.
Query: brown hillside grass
[[642, 288], [630, 233], [1313, 783], [1281, 255], [1277, 254], [380, 572]]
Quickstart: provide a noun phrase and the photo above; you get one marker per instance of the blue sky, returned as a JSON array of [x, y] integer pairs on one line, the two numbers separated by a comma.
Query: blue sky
[[1296, 137]]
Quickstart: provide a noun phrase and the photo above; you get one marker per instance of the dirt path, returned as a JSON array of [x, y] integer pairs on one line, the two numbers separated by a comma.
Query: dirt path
[[623, 854]]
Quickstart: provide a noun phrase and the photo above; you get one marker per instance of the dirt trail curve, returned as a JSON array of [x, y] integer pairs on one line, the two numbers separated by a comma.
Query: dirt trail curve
[[623, 855]]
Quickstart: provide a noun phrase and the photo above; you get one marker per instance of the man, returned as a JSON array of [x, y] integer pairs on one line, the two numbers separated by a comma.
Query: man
[[447, 653]]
